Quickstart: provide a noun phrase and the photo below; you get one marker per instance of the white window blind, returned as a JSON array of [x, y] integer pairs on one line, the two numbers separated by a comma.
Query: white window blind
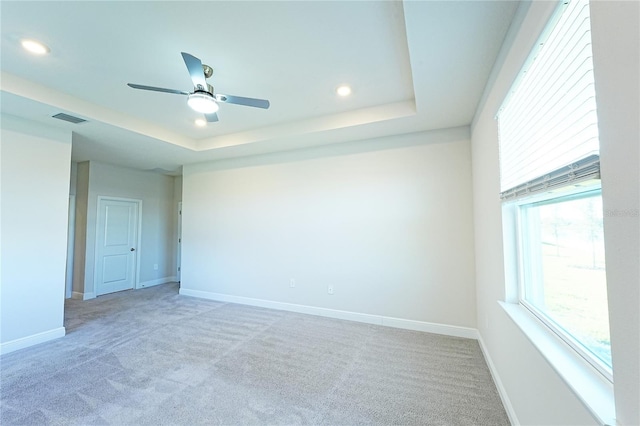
[[548, 123]]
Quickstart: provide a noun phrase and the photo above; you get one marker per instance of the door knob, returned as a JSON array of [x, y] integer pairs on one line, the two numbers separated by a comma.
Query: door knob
[[132, 249]]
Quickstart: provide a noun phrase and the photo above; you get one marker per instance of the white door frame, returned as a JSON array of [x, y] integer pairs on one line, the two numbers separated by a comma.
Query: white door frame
[[179, 249], [70, 246], [136, 283]]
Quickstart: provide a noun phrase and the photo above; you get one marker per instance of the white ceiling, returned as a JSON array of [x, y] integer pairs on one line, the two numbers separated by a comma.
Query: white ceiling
[[413, 66]]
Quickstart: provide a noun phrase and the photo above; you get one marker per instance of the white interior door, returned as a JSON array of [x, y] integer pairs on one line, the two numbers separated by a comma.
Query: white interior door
[[116, 245]]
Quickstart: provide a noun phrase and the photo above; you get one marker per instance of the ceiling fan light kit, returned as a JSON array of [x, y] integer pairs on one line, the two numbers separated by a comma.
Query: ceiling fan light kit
[[202, 99], [203, 102]]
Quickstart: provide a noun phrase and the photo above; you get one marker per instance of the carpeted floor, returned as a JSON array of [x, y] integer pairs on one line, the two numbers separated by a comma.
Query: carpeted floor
[[153, 357]]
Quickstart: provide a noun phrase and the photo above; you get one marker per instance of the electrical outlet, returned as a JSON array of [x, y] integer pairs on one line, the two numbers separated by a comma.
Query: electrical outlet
[[155, 266], [292, 282], [330, 289]]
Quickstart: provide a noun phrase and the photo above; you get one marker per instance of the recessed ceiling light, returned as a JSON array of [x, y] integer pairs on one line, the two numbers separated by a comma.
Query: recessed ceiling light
[[200, 122], [343, 90], [34, 47]]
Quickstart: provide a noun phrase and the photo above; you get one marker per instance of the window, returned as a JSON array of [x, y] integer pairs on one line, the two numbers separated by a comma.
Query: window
[[550, 170], [563, 271]]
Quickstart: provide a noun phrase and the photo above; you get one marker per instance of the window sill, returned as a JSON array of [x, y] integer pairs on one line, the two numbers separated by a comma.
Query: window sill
[[593, 390]]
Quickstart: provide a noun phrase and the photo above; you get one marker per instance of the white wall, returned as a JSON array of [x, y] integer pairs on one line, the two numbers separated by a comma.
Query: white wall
[[35, 193], [80, 234], [158, 220], [389, 229], [616, 56], [536, 392]]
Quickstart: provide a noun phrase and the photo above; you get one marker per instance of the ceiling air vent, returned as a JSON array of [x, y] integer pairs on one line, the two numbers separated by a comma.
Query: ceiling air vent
[[69, 118]]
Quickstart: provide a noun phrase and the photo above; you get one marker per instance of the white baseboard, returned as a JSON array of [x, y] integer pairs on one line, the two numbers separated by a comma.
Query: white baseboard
[[449, 330], [496, 379], [430, 327], [34, 339], [158, 281]]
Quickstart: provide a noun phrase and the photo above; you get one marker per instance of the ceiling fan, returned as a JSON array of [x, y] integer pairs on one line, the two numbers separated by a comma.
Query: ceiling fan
[[202, 99]]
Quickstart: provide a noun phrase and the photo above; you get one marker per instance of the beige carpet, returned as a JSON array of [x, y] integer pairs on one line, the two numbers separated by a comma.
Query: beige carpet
[[153, 357]]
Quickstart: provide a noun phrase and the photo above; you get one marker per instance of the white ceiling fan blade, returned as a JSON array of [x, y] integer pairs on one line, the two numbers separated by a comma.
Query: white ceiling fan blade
[[239, 100], [157, 89], [194, 65], [211, 118]]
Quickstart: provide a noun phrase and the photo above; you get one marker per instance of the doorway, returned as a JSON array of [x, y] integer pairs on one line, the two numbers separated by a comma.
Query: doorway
[[117, 244]]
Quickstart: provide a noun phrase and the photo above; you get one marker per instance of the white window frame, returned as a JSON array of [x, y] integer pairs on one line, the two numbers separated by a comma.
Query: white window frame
[[565, 194], [590, 386]]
